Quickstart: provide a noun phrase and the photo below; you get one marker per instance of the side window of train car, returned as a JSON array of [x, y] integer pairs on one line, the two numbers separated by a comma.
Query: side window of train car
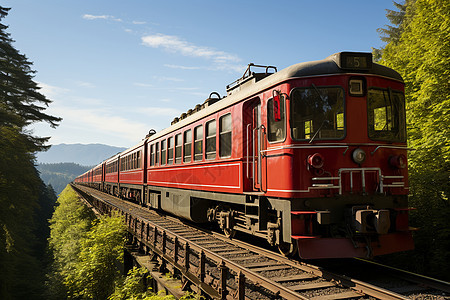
[[170, 151], [187, 145], [276, 119], [138, 159], [156, 154], [210, 139], [178, 146], [152, 155], [198, 143], [163, 152], [225, 136]]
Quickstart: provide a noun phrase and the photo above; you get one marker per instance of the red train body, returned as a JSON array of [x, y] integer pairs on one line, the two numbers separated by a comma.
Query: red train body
[[312, 158]]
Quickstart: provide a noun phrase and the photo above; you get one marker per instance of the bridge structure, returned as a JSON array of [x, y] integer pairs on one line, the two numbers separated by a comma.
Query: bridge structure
[[216, 267]]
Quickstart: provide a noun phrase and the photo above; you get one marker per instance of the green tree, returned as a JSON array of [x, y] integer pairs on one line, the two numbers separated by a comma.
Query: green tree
[[422, 56], [101, 254], [133, 286], [69, 225], [21, 104], [87, 251]]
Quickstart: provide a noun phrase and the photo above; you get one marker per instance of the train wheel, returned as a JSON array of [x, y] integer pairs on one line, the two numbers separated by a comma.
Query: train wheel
[[288, 249], [229, 232]]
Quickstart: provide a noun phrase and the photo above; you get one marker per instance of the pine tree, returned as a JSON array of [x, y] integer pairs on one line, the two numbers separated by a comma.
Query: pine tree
[[391, 33], [21, 104]]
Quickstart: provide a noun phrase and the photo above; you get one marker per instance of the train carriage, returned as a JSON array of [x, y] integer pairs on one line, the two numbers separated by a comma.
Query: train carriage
[[312, 158], [111, 179], [98, 177], [131, 172]]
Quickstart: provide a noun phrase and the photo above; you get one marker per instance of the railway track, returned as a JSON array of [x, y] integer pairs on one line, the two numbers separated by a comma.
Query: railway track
[[230, 269]]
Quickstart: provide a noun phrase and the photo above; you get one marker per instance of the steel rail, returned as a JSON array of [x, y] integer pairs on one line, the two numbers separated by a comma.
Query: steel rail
[[354, 284], [133, 220], [413, 277], [252, 276]]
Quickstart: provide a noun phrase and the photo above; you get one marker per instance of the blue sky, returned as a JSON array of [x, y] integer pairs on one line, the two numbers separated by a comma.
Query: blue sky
[[115, 69]]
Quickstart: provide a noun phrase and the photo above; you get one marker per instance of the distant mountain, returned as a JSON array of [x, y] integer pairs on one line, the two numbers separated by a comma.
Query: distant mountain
[[61, 174], [85, 155]]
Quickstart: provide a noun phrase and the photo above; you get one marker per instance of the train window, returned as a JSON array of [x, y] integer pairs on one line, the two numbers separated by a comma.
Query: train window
[[163, 152], [225, 136], [210, 144], [178, 146], [198, 143], [317, 113], [152, 155], [386, 115], [187, 145], [156, 154], [276, 128], [138, 163], [170, 151]]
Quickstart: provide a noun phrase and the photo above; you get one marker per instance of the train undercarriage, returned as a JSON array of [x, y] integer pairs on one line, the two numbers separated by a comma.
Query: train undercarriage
[[346, 228]]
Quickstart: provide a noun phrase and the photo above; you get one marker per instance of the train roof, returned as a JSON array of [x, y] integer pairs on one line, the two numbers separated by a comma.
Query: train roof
[[332, 65]]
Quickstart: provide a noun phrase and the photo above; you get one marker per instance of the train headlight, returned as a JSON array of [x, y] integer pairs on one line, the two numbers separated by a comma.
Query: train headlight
[[359, 156], [398, 161], [316, 160]]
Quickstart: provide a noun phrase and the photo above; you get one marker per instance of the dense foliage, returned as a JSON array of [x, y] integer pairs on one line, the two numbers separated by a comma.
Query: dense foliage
[[61, 174], [134, 287], [86, 251], [25, 202], [418, 46]]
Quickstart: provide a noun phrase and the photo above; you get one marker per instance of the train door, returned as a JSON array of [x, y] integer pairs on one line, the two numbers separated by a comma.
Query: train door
[[254, 133]]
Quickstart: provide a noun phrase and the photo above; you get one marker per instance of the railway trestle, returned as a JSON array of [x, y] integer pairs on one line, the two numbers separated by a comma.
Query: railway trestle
[[218, 268]]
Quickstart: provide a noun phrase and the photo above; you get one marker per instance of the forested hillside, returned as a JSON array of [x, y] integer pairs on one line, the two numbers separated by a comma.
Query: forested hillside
[[25, 202], [418, 47], [59, 175]]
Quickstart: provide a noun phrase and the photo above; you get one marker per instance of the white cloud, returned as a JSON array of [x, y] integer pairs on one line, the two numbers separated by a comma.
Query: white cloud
[[85, 84], [175, 44], [139, 22], [101, 17], [51, 91], [99, 121], [148, 85], [181, 67], [163, 78]]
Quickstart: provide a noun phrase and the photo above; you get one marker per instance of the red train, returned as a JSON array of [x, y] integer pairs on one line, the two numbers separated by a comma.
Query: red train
[[312, 158]]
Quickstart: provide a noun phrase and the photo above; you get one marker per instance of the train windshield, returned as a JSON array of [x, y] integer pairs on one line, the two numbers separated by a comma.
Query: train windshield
[[317, 113], [386, 115]]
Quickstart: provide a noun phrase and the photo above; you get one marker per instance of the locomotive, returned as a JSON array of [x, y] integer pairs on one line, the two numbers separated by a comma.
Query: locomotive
[[312, 158]]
